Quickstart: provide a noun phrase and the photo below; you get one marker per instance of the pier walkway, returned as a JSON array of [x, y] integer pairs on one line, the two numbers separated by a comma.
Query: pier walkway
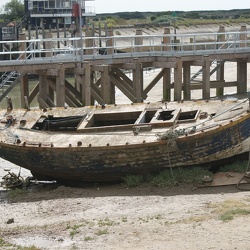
[[99, 65]]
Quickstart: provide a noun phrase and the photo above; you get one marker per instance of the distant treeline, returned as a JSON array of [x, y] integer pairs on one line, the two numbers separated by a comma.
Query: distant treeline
[[166, 15]]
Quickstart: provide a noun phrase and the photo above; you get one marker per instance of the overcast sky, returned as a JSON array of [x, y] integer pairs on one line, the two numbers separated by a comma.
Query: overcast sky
[[111, 6]]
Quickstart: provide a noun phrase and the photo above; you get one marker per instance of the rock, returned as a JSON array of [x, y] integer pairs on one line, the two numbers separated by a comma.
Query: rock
[[10, 221]]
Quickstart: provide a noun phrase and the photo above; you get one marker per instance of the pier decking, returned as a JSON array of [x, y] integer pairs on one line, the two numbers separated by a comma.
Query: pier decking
[[99, 65]]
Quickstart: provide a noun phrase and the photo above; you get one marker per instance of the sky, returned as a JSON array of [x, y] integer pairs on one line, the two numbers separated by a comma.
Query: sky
[[112, 6]]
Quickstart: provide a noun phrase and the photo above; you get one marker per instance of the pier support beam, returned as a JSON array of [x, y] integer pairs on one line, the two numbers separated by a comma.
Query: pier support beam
[[178, 79], [89, 43], [24, 89], [86, 88], [220, 64], [243, 36], [138, 40], [167, 84], [138, 80], [110, 43], [241, 76], [186, 81], [206, 78], [107, 88], [60, 87], [166, 40]]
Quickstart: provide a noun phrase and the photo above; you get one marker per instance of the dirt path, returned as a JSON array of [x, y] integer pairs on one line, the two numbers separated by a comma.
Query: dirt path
[[117, 217]]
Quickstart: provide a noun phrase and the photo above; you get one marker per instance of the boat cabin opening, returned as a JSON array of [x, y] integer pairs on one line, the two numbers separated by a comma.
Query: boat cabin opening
[[52, 123], [188, 116], [166, 115], [110, 121]]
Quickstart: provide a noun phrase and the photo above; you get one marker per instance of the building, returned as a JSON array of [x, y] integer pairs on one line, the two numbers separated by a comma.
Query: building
[[52, 12]]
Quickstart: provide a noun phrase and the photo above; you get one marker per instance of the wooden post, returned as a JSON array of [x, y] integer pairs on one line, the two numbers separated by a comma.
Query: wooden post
[[138, 80], [186, 81], [138, 41], [206, 78], [243, 36], [220, 64], [166, 40], [110, 43], [9, 104], [106, 85], [167, 85], [241, 76], [43, 91], [89, 43], [221, 37], [178, 79], [22, 36], [60, 87], [48, 45], [86, 90], [24, 89]]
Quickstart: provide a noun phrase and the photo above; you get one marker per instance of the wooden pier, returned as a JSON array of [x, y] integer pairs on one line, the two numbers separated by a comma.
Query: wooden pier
[[96, 75]]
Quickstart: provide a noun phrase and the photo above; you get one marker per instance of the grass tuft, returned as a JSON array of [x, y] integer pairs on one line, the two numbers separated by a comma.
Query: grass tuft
[[229, 214], [133, 180]]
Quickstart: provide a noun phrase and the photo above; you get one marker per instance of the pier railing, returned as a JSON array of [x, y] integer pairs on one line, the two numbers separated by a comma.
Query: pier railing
[[82, 48]]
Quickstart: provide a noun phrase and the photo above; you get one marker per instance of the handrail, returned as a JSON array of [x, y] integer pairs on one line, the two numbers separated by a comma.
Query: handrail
[[201, 44]]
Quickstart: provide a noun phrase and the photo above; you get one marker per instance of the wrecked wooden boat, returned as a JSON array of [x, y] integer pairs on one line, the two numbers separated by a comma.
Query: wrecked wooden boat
[[109, 142]]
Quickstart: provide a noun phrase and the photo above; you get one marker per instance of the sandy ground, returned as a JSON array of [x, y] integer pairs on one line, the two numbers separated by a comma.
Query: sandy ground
[[118, 217]]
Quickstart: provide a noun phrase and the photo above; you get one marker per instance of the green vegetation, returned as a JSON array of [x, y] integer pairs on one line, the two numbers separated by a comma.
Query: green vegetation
[[106, 222], [16, 193], [101, 232], [88, 238], [74, 229], [180, 175], [229, 214], [170, 177], [133, 180], [238, 166], [13, 10], [7, 245], [177, 18]]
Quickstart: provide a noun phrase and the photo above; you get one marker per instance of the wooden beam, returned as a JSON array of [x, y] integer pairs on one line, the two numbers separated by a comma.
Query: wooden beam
[[71, 100], [43, 89], [186, 81], [120, 74], [124, 87], [24, 89], [138, 80], [178, 80], [153, 82], [106, 85], [86, 88], [206, 78], [96, 93], [73, 90], [164, 64], [241, 76], [42, 103], [167, 85], [33, 93], [60, 87]]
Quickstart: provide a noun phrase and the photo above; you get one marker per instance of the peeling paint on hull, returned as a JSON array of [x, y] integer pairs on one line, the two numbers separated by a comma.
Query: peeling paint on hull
[[112, 162]]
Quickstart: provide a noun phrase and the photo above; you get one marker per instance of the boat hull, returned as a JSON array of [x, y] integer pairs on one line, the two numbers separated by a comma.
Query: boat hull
[[111, 163]]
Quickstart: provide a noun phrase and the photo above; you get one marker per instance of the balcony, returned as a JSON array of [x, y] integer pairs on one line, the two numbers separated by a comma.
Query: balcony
[[60, 12]]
